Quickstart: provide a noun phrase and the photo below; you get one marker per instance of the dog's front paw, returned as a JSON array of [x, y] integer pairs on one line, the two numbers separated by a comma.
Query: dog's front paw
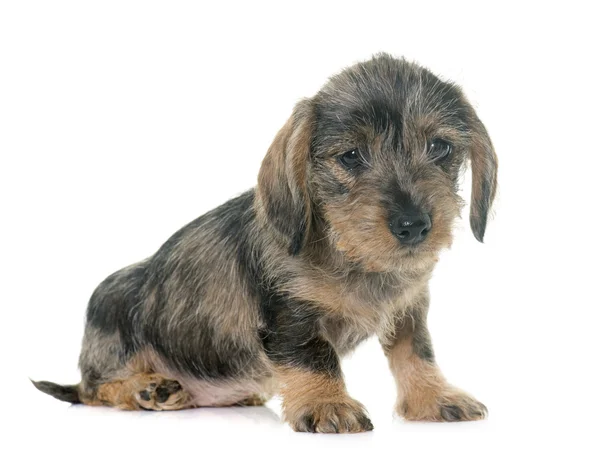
[[339, 417], [449, 405]]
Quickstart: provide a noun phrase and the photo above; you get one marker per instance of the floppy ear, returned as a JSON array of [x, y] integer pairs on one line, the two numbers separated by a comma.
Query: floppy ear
[[282, 192], [484, 166]]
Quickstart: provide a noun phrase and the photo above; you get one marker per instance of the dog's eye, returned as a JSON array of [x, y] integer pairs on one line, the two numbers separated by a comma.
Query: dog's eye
[[351, 159], [439, 149]]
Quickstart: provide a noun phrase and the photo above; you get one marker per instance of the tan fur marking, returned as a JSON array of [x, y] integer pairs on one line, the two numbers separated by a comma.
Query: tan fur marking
[[424, 393], [125, 394], [319, 401]]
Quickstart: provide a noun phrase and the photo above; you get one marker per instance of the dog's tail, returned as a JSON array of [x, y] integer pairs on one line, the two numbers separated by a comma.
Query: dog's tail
[[68, 393]]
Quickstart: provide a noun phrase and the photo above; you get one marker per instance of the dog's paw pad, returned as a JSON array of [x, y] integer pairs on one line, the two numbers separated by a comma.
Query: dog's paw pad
[[166, 394], [145, 395]]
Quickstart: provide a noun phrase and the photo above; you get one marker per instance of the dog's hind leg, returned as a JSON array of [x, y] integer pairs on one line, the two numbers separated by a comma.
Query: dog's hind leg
[[141, 391], [116, 370], [113, 376]]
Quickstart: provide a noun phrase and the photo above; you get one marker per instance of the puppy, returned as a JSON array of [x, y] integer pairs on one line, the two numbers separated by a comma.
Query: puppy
[[356, 198]]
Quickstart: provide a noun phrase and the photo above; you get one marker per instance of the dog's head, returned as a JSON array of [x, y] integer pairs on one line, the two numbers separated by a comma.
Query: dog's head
[[372, 163]]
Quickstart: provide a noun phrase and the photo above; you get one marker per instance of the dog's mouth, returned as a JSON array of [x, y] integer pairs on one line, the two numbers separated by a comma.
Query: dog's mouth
[[416, 250]]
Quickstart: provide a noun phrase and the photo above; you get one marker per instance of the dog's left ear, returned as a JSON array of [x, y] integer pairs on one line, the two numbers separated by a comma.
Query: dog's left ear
[[484, 167], [282, 191]]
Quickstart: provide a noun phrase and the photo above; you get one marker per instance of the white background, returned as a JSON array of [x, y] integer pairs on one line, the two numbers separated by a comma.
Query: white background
[[122, 121]]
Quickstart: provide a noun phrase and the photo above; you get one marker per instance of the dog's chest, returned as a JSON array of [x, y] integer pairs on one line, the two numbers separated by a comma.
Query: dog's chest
[[364, 312], [356, 306], [344, 335]]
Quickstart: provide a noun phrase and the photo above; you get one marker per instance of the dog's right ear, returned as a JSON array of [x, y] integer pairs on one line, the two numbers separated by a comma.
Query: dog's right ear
[[282, 192]]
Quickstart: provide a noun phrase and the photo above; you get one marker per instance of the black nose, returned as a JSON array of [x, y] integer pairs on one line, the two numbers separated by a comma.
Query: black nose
[[412, 229]]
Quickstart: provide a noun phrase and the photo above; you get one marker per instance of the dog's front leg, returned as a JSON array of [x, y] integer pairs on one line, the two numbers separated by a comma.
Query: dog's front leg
[[311, 381], [423, 392]]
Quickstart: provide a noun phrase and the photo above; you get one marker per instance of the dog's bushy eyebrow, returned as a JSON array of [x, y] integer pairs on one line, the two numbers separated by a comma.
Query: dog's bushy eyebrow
[[381, 95], [336, 121]]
